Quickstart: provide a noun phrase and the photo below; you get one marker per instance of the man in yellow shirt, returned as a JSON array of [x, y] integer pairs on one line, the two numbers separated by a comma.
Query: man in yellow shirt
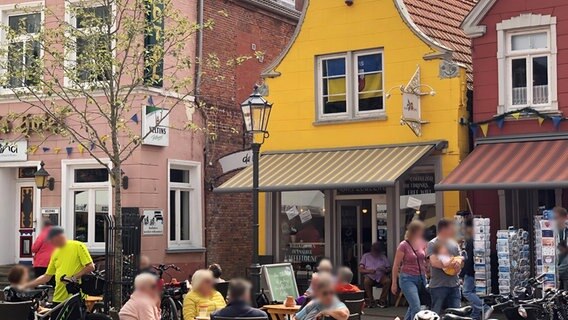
[[71, 260]]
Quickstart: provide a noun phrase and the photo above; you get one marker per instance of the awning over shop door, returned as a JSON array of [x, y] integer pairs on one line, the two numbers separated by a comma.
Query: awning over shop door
[[331, 169], [539, 164]]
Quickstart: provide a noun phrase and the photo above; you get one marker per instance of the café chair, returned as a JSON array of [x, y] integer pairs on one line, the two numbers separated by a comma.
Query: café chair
[[351, 296], [223, 288], [15, 310]]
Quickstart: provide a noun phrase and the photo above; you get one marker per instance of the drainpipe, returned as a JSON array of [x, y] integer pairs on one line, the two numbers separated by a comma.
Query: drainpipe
[[199, 57]]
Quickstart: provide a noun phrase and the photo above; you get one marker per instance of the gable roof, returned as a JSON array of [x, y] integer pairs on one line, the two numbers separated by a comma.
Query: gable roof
[[441, 21], [471, 24]]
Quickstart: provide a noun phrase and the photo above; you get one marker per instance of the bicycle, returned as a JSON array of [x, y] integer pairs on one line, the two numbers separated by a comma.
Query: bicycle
[[172, 293]]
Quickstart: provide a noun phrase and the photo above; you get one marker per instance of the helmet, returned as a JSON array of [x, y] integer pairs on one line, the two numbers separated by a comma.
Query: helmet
[[426, 315]]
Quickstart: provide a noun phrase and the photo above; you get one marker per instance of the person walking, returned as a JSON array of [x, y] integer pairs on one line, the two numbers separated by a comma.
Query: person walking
[[444, 285], [239, 302], [409, 268], [468, 274], [561, 218], [144, 301], [375, 268], [42, 250], [71, 259]]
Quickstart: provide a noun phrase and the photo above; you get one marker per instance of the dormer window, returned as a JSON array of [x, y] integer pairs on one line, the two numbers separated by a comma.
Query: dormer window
[[527, 64]]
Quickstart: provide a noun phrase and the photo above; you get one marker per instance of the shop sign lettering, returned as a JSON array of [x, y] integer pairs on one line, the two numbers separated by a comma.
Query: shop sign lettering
[[13, 150], [235, 161]]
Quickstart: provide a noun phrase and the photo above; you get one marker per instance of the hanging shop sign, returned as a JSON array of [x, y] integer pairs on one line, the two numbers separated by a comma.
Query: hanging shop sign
[[13, 150], [155, 126], [411, 96], [235, 161], [153, 222]]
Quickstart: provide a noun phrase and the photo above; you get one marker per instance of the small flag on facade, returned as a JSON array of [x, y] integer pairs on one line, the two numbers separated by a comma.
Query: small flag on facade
[[135, 118], [92, 146], [150, 101], [516, 115], [556, 121], [484, 128], [81, 148], [45, 149], [57, 150], [104, 138], [540, 121], [500, 123], [32, 149], [473, 128], [69, 150]]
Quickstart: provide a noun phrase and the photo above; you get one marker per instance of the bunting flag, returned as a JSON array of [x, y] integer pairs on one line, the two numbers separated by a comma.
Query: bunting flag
[[484, 128], [92, 146], [32, 149], [150, 101], [57, 150], [473, 128], [556, 121], [500, 123], [45, 149], [69, 150], [81, 148], [540, 121], [134, 118], [104, 138], [516, 115]]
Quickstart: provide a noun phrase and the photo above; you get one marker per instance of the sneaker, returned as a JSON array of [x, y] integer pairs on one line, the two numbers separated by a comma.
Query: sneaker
[[488, 312], [381, 305]]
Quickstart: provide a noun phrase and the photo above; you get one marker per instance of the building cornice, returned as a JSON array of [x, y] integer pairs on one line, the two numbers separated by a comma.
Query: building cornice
[[471, 24], [276, 7]]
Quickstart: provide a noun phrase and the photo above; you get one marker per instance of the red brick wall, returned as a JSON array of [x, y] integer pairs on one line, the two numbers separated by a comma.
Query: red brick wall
[[485, 64], [238, 28]]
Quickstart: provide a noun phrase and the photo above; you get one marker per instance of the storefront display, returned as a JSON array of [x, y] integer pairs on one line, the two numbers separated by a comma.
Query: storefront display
[[482, 255], [513, 254], [545, 249]]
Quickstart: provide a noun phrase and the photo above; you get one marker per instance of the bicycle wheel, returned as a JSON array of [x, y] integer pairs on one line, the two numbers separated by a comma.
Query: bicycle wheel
[[169, 310]]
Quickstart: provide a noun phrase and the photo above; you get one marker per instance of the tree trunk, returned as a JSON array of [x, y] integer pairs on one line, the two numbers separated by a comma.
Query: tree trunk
[[117, 249]]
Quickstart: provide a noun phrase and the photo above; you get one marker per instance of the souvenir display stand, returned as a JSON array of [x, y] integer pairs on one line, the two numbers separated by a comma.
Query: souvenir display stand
[[482, 255], [513, 254]]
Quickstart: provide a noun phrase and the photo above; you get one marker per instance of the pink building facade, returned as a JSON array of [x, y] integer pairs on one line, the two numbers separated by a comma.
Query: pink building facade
[[165, 178]]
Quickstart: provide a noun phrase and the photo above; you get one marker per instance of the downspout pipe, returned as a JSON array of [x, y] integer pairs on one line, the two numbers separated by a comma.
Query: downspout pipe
[[197, 78]]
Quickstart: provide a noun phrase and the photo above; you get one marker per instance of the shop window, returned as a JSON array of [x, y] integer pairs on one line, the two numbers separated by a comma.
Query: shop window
[[184, 205], [418, 199], [350, 85], [527, 64], [302, 228], [89, 193], [23, 49]]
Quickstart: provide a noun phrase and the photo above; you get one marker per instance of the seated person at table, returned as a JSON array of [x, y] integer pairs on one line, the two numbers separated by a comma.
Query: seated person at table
[[325, 303], [375, 267], [18, 276], [217, 272], [239, 302], [344, 278], [144, 301], [324, 266], [202, 295]]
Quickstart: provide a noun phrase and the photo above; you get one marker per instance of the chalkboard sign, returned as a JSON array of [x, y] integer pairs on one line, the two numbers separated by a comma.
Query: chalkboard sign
[[280, 281]]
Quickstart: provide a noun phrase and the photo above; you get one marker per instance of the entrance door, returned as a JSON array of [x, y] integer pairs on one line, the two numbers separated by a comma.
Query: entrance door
[[25, 223], [356, 233]]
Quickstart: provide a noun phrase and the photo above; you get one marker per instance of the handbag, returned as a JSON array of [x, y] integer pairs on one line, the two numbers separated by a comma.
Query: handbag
[[423, 293]]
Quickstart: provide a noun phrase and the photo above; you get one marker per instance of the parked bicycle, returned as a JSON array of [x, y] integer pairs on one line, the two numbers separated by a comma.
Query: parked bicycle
[[172, 293]]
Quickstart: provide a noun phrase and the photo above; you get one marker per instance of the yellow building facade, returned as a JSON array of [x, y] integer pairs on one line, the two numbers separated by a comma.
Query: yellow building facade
[[340, 168]]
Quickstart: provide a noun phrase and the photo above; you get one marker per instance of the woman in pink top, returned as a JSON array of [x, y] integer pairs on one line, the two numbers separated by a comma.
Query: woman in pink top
[[42, 250], [409, 267], [143, 303]]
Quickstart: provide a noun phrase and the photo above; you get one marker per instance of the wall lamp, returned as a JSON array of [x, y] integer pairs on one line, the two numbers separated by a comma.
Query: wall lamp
[[43, 180]]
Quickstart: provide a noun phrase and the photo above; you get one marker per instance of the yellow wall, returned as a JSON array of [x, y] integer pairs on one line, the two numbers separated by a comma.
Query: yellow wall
[[330, 27]]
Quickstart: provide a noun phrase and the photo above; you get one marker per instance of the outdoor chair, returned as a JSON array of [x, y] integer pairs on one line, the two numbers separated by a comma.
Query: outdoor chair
[[15, 310], [351, 296], [222, 288]]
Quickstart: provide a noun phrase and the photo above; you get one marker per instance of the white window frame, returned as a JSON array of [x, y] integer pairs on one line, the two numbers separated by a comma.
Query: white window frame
[[14, 10], [69, 186], [351, 83], [71, 55], [520, 25], [195, 205]]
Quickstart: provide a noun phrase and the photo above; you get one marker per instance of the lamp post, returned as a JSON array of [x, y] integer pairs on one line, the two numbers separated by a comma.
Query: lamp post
[[256, 112]]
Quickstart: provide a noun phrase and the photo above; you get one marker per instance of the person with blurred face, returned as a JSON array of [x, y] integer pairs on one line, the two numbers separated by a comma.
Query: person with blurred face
[[144, 301], [344, 278], [561, 218], [202, 296], [239, 302], [71, 259], [325, 303], [375, 268], [42, 250]]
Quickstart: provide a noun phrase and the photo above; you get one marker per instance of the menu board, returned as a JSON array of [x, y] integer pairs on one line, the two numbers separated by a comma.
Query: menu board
[[280, 281]]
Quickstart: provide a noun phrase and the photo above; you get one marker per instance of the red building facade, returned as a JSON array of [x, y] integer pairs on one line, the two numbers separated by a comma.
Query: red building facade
[[520, 103]]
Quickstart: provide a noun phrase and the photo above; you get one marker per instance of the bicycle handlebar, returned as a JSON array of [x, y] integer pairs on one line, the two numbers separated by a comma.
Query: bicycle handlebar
[[164, 267]]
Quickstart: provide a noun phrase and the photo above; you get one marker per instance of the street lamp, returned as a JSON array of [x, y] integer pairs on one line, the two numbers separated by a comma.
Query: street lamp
[[42, 179], [256, 112]]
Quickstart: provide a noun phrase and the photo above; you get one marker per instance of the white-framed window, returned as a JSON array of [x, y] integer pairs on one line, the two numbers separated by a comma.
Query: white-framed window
[[184, 204], [89, 23], [87, 192], [527, 64], [350, 85], [24, 50]]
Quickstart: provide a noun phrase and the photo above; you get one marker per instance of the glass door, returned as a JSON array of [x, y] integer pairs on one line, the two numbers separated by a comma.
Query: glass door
[[355, 229]]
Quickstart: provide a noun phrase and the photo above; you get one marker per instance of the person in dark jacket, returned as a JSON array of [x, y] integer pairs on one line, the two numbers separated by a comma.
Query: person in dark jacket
[[239, 305], [480, 310]]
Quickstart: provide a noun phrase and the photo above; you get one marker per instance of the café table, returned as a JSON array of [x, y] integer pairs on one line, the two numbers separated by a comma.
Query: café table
[[90, 302], [280, 311]]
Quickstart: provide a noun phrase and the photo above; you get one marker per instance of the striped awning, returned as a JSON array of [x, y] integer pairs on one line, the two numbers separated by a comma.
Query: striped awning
[[330, 169], [512, 165]]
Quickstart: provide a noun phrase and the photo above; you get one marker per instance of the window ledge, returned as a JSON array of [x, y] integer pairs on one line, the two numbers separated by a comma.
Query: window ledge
[[381, 117], [186, 250], [525, 116], [96, 251]]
